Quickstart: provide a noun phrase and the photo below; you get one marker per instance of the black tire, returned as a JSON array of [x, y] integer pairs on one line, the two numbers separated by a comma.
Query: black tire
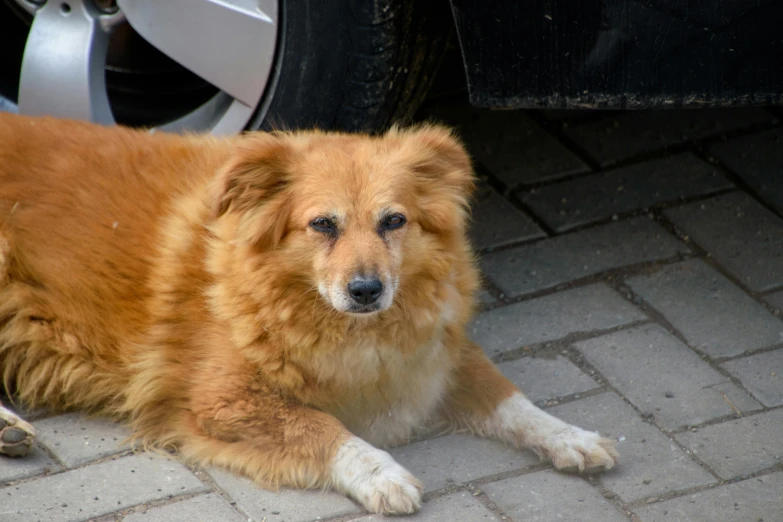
[[353, 65]]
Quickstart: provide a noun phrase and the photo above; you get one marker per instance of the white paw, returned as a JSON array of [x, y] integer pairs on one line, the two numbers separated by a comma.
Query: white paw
[[519, 421], [16, 435], [575, 448], [373, 478]]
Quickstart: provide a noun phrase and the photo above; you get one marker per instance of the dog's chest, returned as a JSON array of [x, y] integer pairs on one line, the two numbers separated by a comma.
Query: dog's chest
[[390, 394]]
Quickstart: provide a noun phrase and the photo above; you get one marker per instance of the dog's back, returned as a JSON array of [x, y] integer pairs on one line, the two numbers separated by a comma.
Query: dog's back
[[80, 211]]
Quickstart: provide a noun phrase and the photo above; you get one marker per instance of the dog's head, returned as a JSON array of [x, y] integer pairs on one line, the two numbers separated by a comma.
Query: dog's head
[[351, 216]]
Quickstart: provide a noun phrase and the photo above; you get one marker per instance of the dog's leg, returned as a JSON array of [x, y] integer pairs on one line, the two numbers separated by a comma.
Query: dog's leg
[[278, 442], [16, 435], [485, 402]]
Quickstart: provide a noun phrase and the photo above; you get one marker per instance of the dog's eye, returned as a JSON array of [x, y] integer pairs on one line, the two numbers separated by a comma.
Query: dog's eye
[[324, 225], [392, 222]]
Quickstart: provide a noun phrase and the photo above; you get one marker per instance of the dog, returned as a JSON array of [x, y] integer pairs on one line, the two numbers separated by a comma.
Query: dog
[[277, 304]]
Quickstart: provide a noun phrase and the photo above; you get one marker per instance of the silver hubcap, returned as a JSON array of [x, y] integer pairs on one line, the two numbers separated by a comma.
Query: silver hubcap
[[228, 43]]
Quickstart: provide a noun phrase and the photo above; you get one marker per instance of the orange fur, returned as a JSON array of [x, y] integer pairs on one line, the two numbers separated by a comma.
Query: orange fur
[[175, 282]]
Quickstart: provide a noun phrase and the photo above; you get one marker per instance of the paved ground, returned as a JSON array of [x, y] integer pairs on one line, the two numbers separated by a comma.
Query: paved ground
[[634, 285]]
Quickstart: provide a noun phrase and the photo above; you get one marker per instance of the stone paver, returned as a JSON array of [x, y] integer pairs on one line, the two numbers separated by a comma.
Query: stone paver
[[626, 134], [713, 314], [746, 238], [547, 378], [739, 446], [203, 508], [459, 458], [581, 201], [549, 495], [285, 505], [552, 262], [76, 440], [757, 159], [584, 309], [776, 300], [761, 374], [96, 490], [753, 500], [36, 462], [485, 298], [650, 463], [663, 377], [457, 507], [495, 222], [511, 145]]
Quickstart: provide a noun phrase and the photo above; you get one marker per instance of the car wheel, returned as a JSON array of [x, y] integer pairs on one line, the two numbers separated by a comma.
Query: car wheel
[[221, 66]]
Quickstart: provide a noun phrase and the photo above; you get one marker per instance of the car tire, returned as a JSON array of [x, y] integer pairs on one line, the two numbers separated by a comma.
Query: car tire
[[353, 65]]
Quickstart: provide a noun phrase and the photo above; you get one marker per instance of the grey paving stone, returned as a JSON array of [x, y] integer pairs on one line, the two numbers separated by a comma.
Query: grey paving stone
[[752, 500], [581, 201], [650, 464], [96, 490], [776, 300], [627, 134], [757, 159], [762, 375], [485, 298], [457, 507], [583, 309], [548, 495], [459, 458], [510, 144], [496, 222], [746, 238], [662, 376], [551, 262], [713, 314], [76, 440], [203, 508], [289, 505], [36, 462], [739, 446], [544, 378]]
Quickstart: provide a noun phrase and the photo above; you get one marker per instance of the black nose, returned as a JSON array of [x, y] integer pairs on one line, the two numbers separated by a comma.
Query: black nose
[[365, 291]]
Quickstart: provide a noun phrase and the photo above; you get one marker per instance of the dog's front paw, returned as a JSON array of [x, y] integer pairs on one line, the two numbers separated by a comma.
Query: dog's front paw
[[372, 477], [16, 435], [575, 448]]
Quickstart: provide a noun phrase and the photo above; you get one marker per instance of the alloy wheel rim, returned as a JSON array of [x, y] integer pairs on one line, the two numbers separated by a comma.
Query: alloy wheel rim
[[229, 44]]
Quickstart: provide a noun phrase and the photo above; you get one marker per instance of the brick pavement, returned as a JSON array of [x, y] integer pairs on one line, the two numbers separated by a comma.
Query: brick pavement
[[634, 285]]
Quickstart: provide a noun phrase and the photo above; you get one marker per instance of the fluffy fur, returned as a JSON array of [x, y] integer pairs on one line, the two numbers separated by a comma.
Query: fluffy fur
[[180, 284]]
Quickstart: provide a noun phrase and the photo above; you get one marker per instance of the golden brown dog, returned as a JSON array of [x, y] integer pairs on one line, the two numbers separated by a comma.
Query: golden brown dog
[[276, 304]]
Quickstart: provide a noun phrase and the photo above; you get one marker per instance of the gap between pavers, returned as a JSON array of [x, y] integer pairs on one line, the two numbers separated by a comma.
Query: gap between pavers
[[550, 495], [551, 262], [209, 507], [712, 313], [761, 374], [650, 464], [569, 204], [743, 236], [739, 446], [76, 439], [583, 309], [98, 489], [459, 458], [461, 506], [663, 377], [289, 505], [36, 462], [753, 500]]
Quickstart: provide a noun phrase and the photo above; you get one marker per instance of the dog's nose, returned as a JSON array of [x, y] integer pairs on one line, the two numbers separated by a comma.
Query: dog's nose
[[365, 291]]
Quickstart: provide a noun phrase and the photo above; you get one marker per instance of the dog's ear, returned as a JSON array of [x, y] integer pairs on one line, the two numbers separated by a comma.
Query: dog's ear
[[444, 175], [252, 185]]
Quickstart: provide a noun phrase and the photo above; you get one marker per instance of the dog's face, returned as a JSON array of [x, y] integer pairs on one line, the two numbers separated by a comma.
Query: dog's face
[[353, 215]]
